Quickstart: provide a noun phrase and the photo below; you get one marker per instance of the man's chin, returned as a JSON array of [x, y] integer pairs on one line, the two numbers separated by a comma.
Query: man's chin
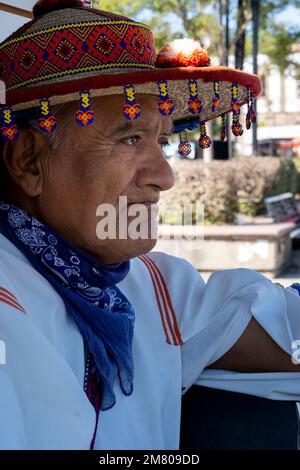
[[141, 247], [134, 248], [122, 250]]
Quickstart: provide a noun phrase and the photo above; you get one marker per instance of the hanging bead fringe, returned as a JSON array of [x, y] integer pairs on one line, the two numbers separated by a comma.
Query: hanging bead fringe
[[184, 147], [9, 130], [204, 141], [216, 100], [223, 130], [234, 100], [194, 103], [248, 115], [132, 109], [85, 116], [47, 121], [165, 104], [237, 128], [252, 111]]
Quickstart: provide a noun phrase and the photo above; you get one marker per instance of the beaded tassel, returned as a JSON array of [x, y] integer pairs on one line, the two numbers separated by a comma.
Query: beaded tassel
[[85, 115], [47, 121], [204, 141], [165, 104], [9, 130], [216, 100], [184, 147], [252, 112], [194, 103], [248, 115], [237, 128], [223, 130], [132, 109]]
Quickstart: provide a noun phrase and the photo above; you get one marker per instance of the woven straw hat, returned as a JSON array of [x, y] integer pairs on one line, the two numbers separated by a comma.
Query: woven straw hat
[[71, 52]]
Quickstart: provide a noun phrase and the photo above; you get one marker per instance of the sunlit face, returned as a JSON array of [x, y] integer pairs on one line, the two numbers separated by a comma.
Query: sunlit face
[[113, 157]]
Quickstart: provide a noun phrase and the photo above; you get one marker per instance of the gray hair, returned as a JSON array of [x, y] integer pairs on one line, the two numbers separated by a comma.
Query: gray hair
[[65, 114]]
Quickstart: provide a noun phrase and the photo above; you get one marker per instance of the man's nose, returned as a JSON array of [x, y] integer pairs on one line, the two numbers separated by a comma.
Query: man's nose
[[156, 171]]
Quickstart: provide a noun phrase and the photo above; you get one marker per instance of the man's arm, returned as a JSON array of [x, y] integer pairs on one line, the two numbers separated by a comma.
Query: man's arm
[[255, 351]]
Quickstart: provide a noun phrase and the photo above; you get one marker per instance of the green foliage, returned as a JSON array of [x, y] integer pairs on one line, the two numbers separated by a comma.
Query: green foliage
[[268, 8], [278, 43], [125, 7], [210, 184], [229, 187], [171, 19], [268, 177], [286, 179], [296, 162]]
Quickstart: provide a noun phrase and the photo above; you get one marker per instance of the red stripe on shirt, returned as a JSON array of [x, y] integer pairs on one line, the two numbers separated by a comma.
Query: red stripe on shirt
[[159, 285], [157, 300], [8, 298], [8, 302], [5, 291], [156, 281], [178, 334]]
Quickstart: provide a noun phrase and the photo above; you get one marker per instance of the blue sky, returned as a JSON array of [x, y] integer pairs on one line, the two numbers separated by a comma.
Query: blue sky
[[290, 16]]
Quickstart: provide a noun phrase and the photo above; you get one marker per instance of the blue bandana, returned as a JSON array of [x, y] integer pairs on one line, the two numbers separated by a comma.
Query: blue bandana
[[88, 288]]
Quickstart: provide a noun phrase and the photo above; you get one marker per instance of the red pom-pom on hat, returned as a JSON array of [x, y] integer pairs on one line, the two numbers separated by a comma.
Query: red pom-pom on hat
[[46, 6], [182, 53]]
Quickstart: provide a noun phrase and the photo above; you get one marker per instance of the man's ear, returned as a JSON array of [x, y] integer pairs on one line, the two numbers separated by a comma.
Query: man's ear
[[25, 161]]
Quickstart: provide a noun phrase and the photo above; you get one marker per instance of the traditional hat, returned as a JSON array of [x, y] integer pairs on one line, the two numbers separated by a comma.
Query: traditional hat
[[71, 52]]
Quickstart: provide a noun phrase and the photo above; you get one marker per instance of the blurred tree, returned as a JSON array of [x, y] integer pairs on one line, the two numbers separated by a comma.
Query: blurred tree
[[280, 45], [203, 20], [124, 7], [197, 19], [244, 16], [170, 19]]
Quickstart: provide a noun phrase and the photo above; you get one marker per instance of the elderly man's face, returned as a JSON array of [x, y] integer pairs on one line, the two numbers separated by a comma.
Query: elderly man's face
[[112, 157]]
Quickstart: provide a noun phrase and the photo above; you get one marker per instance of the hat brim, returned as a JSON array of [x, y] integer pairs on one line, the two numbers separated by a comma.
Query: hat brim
[[105, 84]]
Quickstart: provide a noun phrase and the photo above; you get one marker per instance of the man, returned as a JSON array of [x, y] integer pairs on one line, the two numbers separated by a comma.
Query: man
[[99, 326]]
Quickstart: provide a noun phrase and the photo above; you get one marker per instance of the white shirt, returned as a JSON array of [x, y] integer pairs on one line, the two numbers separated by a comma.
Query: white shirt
[[181, 326]]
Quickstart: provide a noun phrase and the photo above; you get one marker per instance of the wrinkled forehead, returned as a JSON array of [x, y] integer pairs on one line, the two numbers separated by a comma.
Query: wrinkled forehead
[[109, 114], [109, 117]]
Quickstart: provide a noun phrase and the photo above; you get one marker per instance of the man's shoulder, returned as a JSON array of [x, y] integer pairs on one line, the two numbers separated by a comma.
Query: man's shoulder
[[172, 263], [13, 265], [11, 274], [173, 269], [22, 287], [8, 249]]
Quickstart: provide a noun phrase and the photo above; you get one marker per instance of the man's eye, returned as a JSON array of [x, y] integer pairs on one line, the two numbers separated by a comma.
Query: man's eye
[[132, 140]]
